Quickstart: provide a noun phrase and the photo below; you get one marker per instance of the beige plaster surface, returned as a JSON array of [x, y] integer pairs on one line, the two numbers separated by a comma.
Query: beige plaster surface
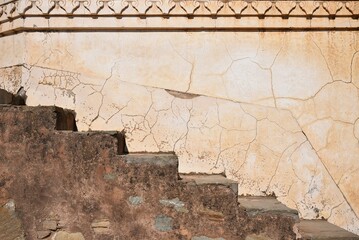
[[276, 111]]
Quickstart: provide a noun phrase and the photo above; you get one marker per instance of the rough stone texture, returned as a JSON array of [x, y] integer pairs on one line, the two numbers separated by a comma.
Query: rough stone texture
[[270, 214], [260, 205], [210, 179], [258, 237], [10, 225], [322, 230], [62, 235], [43, 234], [57, 179]]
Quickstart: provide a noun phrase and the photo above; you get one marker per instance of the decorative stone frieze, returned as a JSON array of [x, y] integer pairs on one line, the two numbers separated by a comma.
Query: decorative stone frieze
[[30, 15]]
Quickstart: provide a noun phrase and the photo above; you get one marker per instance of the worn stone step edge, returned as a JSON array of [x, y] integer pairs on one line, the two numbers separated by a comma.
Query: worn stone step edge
[[56, 118], [12, 99], [321, 230], [158, 159], [119, 136], [255, 205], [209, 179]]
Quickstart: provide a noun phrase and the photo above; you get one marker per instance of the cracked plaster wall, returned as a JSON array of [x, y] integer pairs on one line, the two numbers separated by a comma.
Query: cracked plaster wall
[[276, 111]]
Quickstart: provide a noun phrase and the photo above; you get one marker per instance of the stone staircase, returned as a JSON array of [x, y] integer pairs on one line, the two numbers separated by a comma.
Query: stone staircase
[[57, 183]]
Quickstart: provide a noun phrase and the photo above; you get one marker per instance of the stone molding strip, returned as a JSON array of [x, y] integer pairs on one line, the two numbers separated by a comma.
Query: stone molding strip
[[35, 15]]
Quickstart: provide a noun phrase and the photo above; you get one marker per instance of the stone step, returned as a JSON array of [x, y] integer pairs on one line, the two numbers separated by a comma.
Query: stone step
[[209, 179], [212, 201], [150, 167], [269, 219], [87, 181], [25, 120], [115, 140], [322, 230], [257, 205], [13, 99]]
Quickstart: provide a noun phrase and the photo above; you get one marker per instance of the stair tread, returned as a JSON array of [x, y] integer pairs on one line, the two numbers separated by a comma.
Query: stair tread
[[204, 179], [160, 159], [48, 117], [321, 229], [264, 204]]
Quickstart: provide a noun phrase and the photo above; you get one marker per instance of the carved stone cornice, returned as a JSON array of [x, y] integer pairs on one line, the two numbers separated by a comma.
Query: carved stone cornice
[[176, 14]]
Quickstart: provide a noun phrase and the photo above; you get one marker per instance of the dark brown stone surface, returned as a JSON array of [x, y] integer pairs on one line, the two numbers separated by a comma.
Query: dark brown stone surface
[[77, 184], [14, 99]]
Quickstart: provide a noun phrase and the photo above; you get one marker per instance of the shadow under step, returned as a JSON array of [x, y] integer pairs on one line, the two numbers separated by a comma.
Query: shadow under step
[[322, 230]]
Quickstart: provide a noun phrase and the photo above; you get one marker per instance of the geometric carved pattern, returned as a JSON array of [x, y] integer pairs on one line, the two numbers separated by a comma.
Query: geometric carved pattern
[[170, 9]]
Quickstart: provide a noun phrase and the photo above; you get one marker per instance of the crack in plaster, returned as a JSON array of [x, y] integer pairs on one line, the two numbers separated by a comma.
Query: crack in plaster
[[277, 166], [351, 66], [325, 60]]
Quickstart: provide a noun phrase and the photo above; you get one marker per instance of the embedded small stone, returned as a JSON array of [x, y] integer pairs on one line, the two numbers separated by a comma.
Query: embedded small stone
[[257, 237], [135, 200], [110, 176], [101, 226], [212, 215], [49, 225], [10, 225], [61, 224], [206, 238], [62, 235], [163, 223], [10, 205], [43, 234], [178, 205]]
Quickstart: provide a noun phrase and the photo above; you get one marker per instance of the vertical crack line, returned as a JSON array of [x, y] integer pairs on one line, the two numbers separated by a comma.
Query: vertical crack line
[[190, 78], [102, 97], [291, 160], [351, 66], [325, 60], [276, 169], [271, 73]]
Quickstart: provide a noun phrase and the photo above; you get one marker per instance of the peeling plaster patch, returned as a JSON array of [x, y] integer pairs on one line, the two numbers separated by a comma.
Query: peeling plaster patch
[[181, 95], [10, 78]]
